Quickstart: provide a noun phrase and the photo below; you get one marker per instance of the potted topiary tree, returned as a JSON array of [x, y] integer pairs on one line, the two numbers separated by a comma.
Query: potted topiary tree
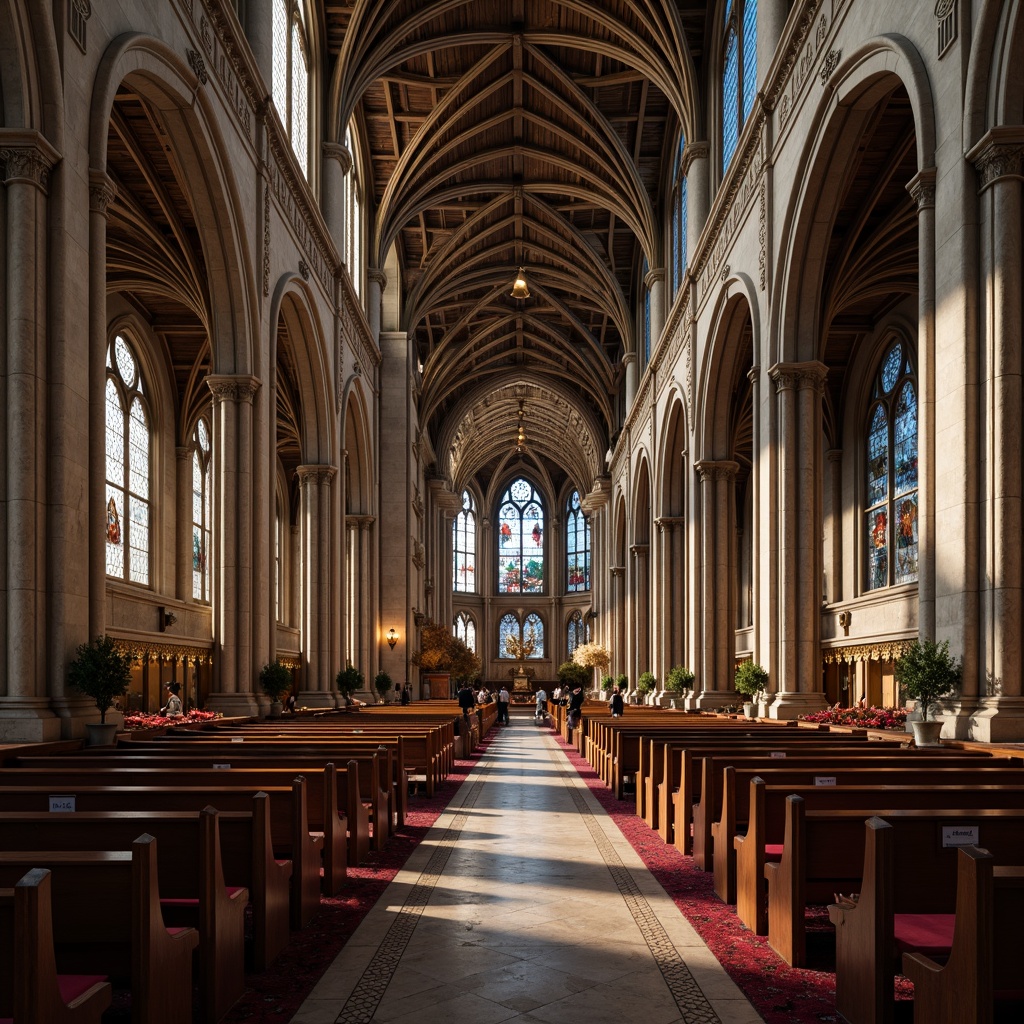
[[678, 681], [750, 681], [275, 681], [927, 673], [572, 674], [382, 684], [349, 680], [646, 685], [102, 671]]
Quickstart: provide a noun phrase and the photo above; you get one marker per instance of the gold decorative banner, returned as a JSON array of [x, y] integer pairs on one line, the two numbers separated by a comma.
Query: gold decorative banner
[[168, 652]]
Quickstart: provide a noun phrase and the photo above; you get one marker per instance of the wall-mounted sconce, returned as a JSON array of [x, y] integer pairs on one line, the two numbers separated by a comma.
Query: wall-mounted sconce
[[845, 618], [392, 638], [166, 618]]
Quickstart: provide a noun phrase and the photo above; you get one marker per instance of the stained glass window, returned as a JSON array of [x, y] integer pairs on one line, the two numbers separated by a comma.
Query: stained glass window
[[529, 631], [464, 628], [891, 474], [739, 72], [202, 518], [679, 218], [647, 314], [353, 205], [521, 540], [576, 632], [464, 547], [278, 544], [128, 466], [290, 73], [577, 546]]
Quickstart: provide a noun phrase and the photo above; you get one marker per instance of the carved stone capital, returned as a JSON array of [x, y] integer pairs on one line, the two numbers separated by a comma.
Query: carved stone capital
[[102, 191], [628, 358], [377, 276], [617, 571], [694, 151], [922, 188], [184, 452], [666, 524], [656, 275], [232, 387], [316, 474], [799, 376], [1000, 154], [754, 374], [27, 158], [720, 469], [336, 151]]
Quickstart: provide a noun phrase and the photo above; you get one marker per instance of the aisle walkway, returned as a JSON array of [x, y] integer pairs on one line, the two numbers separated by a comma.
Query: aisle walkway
[[525, 904]]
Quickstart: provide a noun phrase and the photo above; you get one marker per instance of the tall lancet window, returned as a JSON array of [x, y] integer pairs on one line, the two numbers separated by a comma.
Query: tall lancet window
[[202, 511], [464, 547], [679, 218], [890, 496], [128, 466], [739, 72], [577, 546], [291, 75], [521, 540]]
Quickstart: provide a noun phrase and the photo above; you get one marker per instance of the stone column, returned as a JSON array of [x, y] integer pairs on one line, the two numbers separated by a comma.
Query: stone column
[[376, 282], [101, 194], [771, 20], [717, 582], [655, 282], [799, 388], [233, 539], [366, 602], [997, 710], [671, 573], [642, 661], [922, 188], [754, 376], [337, 163], [834, 457], [617, 631], [697, 168], [629, 362], [259, 31], [24, 707], [314, 484], [183, 522]]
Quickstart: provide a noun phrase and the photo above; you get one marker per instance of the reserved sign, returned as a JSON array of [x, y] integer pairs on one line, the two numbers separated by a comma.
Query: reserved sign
[[62, 803], [824, 780], [222, 766], [778, 753], [959, 835]]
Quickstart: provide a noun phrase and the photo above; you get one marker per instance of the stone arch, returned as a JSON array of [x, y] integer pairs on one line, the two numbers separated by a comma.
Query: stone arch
[[30, 79], [871, 74], [671, 562], [995, 76], [165, 82], [357, 449]]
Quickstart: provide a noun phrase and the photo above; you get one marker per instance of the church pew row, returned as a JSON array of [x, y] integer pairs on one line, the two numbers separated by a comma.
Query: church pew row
[[107, 920], [327, 817], [30, 987], [193, 890], [306, 748], [872, 775], [686, 799], [921, 906], [822, 854]]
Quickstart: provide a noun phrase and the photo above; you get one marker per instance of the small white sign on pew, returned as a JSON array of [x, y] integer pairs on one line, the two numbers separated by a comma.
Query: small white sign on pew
[[777, 753], [219, 764], [959, 835], [824, 780], [62, 803]]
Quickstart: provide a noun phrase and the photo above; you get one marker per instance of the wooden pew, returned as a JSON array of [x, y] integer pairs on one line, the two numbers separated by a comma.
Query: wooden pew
[[961, 907], [107, 919], [30, 987], [824, 849]]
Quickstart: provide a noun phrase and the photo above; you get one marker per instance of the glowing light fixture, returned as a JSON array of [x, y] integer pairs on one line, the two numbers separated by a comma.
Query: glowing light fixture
[[519, 289], [392, 638]]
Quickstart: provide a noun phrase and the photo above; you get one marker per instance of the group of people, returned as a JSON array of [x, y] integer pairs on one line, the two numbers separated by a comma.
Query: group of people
[[468, 698], [573, 697]]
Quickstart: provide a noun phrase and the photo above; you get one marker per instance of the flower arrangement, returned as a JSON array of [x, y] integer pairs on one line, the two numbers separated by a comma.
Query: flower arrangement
[[140, 720], [861, 718], [592, 656]]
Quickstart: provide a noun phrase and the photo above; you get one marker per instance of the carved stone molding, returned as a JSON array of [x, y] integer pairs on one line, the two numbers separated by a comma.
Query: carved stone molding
[[617, 570], [829, 64], [888, 650], [799, 376], [27, 158], [102, 191], [198, 65], [922, 188], [1000, 154], [304, 270], [232, 387], [666, 524], [317, 474], [723, 469]]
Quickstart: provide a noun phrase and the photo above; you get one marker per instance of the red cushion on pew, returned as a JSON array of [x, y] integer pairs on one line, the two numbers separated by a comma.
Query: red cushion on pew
[[931, 934], [281, 863], [179, 903], [177, 931], [773, 851], [73, 985], [232, 889]]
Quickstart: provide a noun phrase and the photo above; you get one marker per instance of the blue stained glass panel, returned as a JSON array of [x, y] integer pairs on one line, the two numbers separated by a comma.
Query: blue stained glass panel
[[878, 458], [730, 98], [905, 447], [878, 549], [891, 368], [906, 540], [749, 56], [507, 627], [533, 628]]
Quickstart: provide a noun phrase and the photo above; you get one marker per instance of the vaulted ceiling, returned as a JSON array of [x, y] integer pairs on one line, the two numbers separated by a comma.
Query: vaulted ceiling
[[508, 133]]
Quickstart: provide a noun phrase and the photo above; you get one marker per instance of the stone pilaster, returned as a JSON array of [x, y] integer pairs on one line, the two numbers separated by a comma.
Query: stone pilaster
[[183, 522], [697, 168], [655, 282], [670, 571]]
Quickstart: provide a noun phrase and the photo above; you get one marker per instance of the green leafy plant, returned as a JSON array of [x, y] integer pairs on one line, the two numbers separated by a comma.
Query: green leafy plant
[[622, 682], [927, 673], [608, 683], [679, 680], [349, 680], [571, 674], [646, 683], [382, 683], [275, 680], [750, 680], [101, 670]]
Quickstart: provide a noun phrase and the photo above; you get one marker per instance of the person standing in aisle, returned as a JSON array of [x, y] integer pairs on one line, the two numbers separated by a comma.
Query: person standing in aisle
[[503, 699]]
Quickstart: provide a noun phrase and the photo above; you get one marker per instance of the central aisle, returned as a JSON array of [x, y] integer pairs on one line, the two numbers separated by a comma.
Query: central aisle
[[525, 903]]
